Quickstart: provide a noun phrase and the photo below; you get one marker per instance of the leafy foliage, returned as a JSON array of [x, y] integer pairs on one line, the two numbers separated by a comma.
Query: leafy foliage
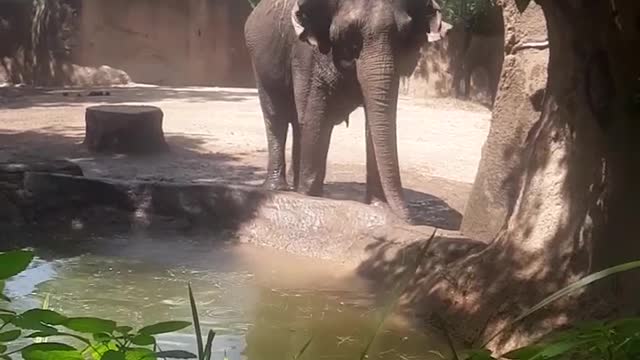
[[459, 12], [610, 340], [453, 11], [101, 339]]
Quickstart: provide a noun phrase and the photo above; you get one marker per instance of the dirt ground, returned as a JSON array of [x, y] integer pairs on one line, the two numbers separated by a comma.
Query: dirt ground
[[217, 135]]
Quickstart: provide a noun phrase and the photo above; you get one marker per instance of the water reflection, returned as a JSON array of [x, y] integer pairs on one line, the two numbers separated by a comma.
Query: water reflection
[[340, 325], [253, 320]]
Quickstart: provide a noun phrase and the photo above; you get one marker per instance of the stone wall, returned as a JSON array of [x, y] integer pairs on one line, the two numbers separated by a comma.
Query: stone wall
[[167, 42], [163, 42], [101, 42], [434, 74]]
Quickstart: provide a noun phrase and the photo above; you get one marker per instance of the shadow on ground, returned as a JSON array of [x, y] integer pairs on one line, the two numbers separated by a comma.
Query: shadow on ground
[[23, 97], [187, 160], [425, 209]]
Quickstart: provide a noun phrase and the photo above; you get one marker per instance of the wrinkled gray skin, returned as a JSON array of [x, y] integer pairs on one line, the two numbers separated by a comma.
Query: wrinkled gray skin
[[315, 62]]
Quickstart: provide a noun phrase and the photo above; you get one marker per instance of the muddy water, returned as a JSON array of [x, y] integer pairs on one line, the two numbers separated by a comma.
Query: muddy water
[[262, 305]]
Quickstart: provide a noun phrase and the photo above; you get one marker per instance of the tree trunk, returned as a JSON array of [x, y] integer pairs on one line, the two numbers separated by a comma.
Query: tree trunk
[[124, 129], [517, 108], [576, 204]]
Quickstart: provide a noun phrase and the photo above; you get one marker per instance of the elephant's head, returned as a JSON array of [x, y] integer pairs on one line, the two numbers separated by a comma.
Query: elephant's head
[[339, 26], [382, 40]]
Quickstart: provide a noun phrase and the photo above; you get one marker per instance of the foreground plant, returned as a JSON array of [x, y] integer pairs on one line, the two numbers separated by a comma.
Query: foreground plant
[[98, 339], [606, 340]]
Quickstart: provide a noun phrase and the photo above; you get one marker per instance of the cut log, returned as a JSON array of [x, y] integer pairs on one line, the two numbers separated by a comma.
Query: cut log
[[124, 129]]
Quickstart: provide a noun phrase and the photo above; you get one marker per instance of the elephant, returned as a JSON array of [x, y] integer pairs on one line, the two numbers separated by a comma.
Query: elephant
[[315, 62]]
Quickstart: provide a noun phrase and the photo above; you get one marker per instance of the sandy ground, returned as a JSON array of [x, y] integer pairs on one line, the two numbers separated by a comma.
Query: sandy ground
[[217, 135]]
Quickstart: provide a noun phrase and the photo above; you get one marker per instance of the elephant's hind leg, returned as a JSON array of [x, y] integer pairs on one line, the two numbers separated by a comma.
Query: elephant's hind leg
[[278, 110]]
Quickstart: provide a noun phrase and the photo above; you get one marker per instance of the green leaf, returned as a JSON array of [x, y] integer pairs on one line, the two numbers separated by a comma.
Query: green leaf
[[50, 351], [14, 262], [559, 348], [140, 354], [48, 317], [96, 351], [30, 323], [627, 327], [46, 347], [208, 346], [631, 348], [3, 348], [176, 354], [143, 340], [2, 297], [90, 325], [10, 335], [526, 352], [196, 322], [102, 337], [124, 330], [481, 354], [113, 355], [43, 334], [164, 327], [7, 318], [54, 355]]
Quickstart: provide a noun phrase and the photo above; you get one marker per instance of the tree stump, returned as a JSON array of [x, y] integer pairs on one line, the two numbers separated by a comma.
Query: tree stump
[[124, 129]]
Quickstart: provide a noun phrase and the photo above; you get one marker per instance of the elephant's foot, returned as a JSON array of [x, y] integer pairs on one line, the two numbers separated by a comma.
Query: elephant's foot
[[310, 187], [374, 199], [276, 185], [403, 216], [312, 192]]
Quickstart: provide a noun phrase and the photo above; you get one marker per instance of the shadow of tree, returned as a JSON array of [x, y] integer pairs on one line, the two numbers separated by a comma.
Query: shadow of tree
[[574, 214], [23, 97], [187, 160]]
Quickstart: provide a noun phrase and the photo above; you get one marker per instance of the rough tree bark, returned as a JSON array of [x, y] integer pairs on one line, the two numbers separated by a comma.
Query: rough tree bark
[[576, 206], [516, 109]]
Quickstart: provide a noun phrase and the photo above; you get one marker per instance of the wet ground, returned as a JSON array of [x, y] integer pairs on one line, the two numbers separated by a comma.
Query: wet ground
[[217, 136]]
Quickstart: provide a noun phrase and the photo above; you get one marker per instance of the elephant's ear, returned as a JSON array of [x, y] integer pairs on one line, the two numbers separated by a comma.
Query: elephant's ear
[[311, 23]]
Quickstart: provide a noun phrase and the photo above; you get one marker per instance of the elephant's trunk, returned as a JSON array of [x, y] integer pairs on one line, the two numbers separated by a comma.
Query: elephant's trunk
[[380, 82]]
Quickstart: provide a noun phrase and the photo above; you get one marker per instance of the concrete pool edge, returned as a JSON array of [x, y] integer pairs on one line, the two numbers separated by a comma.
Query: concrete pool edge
[[336, 230]]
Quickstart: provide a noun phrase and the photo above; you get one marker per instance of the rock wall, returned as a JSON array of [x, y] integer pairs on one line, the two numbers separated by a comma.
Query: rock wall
[[167, 42], [434, 75], [102, 42]]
